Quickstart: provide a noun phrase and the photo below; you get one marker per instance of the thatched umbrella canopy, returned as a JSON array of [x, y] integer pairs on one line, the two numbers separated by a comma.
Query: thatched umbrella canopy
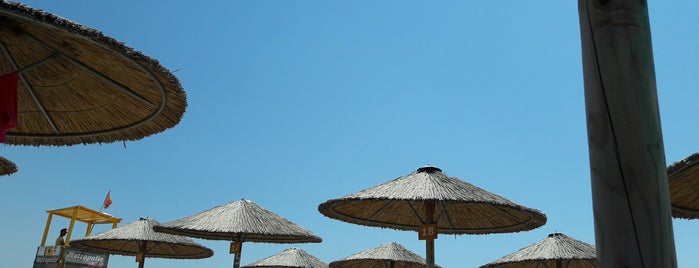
[[555, 251], [430, 202], [7, 167], [239, 221], [289, 258], [138, 239], [76, 85], [389, 255], [683, 181]]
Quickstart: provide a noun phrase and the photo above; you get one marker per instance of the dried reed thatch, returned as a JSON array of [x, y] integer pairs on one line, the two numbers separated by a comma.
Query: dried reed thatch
[[139, 237], [289, 258], [242, 221], [239, 221], [460, 207], [7, 167], [79, 86], [683, 180], [555, 251], [387, 255]]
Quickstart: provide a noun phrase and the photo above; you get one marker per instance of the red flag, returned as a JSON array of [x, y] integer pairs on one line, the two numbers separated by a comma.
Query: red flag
[[8, 103], [107, 201]]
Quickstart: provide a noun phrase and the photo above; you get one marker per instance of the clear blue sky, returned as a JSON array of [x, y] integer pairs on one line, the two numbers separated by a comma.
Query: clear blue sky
[[292, 103]]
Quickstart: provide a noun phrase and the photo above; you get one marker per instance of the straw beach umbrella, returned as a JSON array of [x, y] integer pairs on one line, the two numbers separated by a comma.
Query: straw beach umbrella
[[555, 251], [289, 258], [389, 255], [430, 202], [7, 167], [75, 85], [138, 239], [239, 221], [683, 181]]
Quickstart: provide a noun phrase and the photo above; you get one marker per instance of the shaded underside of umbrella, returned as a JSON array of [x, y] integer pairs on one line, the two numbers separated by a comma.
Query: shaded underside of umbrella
[[7, 167], [683, 181], [555, 251], [241, 221], [77, 85], [389, 255], [459, 207], [289, 258], [139, 237]]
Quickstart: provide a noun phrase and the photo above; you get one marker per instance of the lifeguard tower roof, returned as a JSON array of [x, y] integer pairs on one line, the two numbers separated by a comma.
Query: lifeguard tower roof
[[84, 214], [81, 214]]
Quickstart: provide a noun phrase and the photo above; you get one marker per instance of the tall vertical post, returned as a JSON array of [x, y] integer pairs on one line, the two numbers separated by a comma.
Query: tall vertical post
[[46, 229], [237, 249], [633, 224], [236, 261], [429, 243], [141, 255]]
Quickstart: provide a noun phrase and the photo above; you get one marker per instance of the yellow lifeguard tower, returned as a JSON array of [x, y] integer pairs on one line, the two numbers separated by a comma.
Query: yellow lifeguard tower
[[53, 256]]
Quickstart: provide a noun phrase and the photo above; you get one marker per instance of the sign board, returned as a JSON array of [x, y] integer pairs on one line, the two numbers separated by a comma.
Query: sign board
[[235, 247], [427, 231], [47, 256], [140, 257], [81, 259]]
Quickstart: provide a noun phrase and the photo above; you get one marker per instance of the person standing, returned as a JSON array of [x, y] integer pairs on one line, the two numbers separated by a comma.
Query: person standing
[[59, 239]]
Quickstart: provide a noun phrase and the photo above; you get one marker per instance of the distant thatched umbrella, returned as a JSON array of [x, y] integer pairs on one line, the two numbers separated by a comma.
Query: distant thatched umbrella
[[683, 180], [7, 167], [289, 258], [430, 202], [77, 85], [390, 255], [239, 221], [555, 251], [138, 239]]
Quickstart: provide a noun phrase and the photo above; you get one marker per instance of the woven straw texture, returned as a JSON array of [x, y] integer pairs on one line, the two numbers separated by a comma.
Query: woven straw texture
[[130, 240], [7, 167], [555, 251], [239, 221], [460, 207], [289, 258], [78, 86], [387, 255], [683, 180]]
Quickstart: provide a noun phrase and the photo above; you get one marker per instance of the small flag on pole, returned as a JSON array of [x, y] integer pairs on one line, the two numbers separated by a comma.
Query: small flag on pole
[[107, 201]]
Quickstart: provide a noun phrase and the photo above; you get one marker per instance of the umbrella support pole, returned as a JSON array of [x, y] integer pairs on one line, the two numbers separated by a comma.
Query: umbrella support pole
[[630, 196], [236, 261], [429, 243], [141, 256], [237, 249]]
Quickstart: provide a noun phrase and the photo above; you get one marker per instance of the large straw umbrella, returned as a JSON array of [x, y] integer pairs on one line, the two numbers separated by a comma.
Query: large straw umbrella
[[7, 167], [239, 221], [76, 85], [289, 258], [430, 202], [138, 239], [683, 181], [389, 255], [555, 251]]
